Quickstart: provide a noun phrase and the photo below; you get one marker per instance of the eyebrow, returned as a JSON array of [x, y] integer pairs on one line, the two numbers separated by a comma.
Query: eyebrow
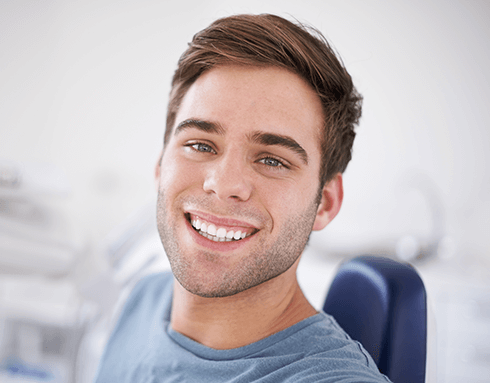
[[205, 126], [270, 139]]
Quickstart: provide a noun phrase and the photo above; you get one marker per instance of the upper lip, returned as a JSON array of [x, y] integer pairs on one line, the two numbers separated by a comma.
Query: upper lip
[[221, 221]]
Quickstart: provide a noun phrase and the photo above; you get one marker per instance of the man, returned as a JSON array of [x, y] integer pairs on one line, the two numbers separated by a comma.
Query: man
[[259, 129]]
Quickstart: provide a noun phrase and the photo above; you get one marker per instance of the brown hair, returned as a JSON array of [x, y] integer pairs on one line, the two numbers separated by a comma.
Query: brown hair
[[271, 40]]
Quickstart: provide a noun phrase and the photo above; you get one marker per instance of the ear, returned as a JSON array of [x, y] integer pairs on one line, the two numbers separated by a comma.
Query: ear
[[332, 196], [158, 169]]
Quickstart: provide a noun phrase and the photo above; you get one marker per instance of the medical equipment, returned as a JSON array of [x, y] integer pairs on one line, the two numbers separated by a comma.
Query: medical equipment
[[43, 316]]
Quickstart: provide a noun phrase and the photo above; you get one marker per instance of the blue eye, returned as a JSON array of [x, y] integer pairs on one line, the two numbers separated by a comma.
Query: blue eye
[[273, 163], [203, 148]]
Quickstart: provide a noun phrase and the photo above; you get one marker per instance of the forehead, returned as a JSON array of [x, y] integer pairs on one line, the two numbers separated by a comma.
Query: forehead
[[248, 98]]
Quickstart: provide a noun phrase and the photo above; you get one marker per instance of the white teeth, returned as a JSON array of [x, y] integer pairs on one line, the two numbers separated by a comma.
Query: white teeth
[[217, 234], [211, 229]]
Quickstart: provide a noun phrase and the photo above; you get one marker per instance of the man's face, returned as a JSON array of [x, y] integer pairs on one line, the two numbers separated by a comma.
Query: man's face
[[239, 178]]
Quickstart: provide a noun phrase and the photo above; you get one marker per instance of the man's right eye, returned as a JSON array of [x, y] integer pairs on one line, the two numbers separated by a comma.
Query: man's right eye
[[201, 147]]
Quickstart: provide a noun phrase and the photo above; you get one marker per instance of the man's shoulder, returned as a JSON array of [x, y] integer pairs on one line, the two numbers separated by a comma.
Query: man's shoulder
[[312, 336], [153, 283], [149, 297], [319, 349]]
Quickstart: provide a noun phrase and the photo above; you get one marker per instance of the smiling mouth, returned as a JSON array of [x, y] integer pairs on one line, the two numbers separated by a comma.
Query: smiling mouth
[[218, 234]]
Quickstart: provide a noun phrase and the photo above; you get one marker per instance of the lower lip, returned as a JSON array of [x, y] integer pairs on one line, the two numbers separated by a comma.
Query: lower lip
[[215, 246]]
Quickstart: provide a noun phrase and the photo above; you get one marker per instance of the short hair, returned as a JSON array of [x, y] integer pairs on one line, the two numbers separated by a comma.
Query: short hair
[[269, 40]]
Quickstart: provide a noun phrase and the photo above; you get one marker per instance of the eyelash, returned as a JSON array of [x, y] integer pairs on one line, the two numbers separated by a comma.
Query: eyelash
[[209, 149], [280, 164]]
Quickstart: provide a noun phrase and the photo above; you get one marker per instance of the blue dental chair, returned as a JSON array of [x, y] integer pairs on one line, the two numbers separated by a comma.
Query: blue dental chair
[[382, 304]]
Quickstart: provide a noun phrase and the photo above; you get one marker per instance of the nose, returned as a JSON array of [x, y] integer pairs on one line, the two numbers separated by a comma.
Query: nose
[[228, 178]]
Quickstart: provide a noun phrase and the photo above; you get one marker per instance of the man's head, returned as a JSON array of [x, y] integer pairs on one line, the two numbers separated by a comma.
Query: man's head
[[268, 40], [241, 178]]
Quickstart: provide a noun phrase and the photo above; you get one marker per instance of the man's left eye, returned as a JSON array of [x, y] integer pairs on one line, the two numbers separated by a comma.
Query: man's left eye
[[272, 162]]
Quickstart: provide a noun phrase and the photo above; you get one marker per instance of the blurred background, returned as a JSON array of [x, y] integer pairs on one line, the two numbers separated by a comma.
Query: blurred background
[[83, 94]]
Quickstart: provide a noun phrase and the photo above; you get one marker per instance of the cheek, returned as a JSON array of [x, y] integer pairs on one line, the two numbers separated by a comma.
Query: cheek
[[291, 194], [280, 199], [178, 174], [291, 200]]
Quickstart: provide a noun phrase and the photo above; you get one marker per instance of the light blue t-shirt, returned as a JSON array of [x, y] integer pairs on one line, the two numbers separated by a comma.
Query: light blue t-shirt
[[144, 348]]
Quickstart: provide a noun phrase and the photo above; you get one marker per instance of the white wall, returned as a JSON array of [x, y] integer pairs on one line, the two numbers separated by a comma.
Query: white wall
[[84, 85]]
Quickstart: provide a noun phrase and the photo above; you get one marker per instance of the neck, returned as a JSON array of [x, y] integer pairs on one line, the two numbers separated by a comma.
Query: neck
[[244, 318]]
